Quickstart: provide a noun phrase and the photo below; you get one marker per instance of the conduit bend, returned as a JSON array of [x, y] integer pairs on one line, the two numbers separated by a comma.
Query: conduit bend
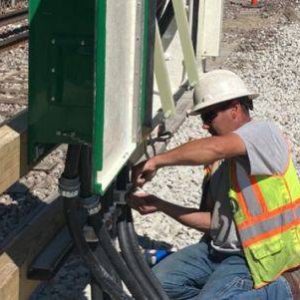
[[134, 258], [100, 274], [105, 242]]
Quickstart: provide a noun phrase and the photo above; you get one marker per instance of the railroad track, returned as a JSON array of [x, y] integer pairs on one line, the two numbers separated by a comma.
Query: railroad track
[[14, 40], [14, 17], [11, 38]]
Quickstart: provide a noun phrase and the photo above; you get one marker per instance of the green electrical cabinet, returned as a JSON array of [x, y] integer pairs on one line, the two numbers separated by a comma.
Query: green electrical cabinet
[[90, 78]]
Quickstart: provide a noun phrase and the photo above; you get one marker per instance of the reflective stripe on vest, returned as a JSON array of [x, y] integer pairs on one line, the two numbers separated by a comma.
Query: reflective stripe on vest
[[247, 194], [270, 226], [268, 220]]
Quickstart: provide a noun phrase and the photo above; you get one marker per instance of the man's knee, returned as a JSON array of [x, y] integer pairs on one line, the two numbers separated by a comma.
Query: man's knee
[[172, 285]]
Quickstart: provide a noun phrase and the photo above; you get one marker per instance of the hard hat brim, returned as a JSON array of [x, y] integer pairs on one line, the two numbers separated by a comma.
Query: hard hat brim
[[201, 106]]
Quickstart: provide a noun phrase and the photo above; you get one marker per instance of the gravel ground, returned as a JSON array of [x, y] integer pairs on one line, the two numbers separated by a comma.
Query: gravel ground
[[14, 81], [8, 6], [265, 49]]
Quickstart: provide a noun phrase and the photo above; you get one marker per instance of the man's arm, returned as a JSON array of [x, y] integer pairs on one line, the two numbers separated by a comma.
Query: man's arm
[[146, 203], [198, 152]]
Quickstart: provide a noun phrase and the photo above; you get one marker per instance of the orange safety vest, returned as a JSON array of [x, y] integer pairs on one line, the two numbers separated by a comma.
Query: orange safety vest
[[266, 210]]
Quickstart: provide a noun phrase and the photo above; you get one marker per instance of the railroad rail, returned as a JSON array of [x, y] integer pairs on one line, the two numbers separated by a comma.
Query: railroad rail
[[11, 38], [14, 17], [14, 40]]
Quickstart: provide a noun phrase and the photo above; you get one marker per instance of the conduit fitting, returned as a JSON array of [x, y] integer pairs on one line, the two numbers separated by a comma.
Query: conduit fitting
[[91, 204], [69, 188], [121, 195]]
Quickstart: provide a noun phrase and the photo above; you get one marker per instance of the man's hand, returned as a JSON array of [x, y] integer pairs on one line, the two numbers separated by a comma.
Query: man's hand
[[143, 202], [143, 172]]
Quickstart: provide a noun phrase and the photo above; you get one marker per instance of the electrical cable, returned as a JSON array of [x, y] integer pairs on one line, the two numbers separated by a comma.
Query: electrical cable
[[100, 274], [116, 260], [130, 247], [101, 231], [148, 274], [130, 259]]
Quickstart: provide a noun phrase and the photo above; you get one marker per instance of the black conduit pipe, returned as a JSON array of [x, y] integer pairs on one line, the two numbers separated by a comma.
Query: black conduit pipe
[[72, 162], [116, 260], [148, 273], [130, 259], [85, 171], [100, 229], [85, 192], [99, 273], [130, 248], [96, 291], [101, 276]]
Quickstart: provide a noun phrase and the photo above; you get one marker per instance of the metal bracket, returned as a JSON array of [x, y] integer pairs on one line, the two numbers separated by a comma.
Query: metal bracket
[[91, 204]]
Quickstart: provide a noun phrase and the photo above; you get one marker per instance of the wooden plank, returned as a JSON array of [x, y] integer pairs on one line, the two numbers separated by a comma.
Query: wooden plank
[[9, 278], [19, 251], [13, 151]]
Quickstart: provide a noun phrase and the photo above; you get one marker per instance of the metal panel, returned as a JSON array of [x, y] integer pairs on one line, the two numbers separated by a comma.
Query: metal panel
[[120, 107], [61, 73], [210, 27], [87, 79]]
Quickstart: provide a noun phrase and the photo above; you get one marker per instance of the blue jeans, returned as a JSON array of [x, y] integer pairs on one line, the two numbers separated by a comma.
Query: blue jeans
[[199, 272]]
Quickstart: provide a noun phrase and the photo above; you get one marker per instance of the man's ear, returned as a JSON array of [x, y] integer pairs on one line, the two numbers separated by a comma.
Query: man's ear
[[235, 108]]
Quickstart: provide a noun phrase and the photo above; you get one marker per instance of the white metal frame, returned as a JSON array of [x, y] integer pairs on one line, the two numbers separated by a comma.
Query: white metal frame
[[209, 34], [209, 28]]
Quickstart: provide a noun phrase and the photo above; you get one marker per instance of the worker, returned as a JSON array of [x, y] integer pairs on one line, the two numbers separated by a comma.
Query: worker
[[251, 246]]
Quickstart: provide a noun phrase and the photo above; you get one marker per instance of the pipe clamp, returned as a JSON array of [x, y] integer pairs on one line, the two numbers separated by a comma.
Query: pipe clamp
[[91, 204], [69, 188]]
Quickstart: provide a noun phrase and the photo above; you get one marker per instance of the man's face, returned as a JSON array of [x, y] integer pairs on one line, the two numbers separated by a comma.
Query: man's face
[[217, 120]]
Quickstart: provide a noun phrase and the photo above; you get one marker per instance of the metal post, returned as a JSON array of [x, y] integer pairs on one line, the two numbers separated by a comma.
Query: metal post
[[186, 42], [209, 29]]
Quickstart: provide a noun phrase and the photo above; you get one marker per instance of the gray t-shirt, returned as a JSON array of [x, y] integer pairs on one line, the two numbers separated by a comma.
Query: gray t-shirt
[[267, 153]]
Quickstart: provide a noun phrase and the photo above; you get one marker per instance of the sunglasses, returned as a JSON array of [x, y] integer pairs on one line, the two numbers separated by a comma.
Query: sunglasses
[[210, 115]]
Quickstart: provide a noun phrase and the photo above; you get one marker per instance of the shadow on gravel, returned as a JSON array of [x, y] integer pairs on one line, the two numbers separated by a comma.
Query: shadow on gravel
[[27, 223], [17, 207]]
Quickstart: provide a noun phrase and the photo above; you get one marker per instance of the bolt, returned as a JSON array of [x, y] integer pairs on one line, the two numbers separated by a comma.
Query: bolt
[[53, 70], [82, 43], [53, 41], [52, 98]]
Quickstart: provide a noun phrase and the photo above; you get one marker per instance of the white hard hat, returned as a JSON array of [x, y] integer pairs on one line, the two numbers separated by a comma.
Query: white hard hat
[[218, 86]]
